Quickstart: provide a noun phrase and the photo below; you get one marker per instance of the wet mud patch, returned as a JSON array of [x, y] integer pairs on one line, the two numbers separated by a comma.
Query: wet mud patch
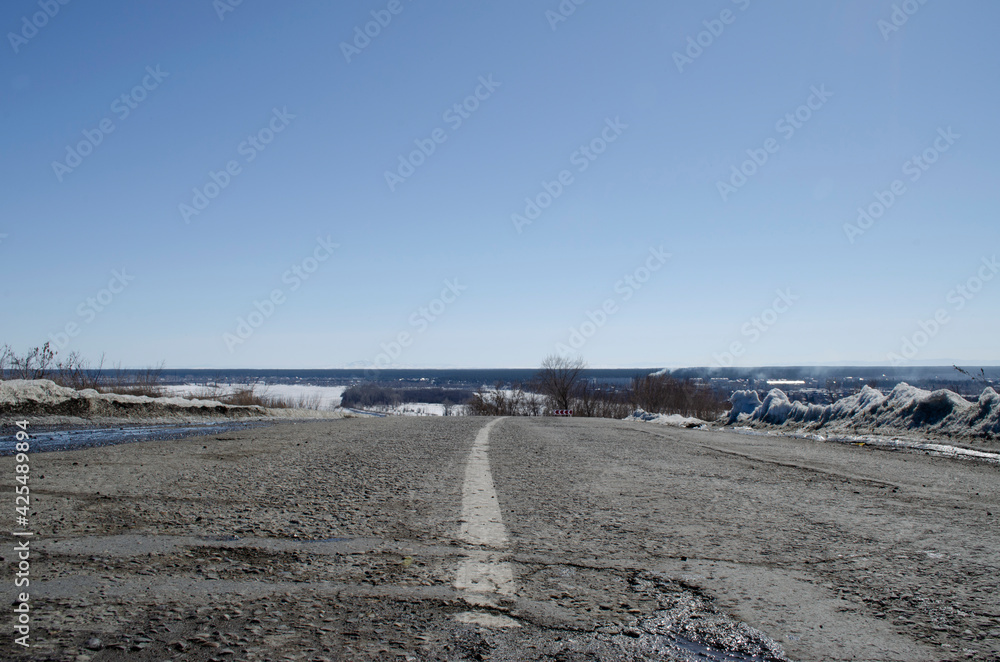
[[61, 439]]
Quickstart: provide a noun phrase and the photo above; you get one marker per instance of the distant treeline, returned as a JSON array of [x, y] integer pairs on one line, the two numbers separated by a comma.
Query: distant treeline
[[375, 395], [561, 385]]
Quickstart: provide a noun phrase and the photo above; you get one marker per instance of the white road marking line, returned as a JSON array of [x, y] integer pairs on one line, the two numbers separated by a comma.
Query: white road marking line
[[484, 573], [482, 523]]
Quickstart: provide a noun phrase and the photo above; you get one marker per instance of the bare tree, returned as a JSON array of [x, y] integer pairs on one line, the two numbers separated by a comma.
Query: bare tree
[[532, 404], [5, 353], [586, 399], [557, 379], [34, 364], [613, 402], [662, 394]]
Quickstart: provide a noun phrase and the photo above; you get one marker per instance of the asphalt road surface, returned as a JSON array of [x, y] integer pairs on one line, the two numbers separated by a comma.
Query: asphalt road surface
[[507, 539]]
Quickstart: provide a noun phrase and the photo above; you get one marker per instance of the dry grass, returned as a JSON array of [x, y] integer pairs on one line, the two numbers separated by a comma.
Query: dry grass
[[256, 395], [145, 382], [304, 401]]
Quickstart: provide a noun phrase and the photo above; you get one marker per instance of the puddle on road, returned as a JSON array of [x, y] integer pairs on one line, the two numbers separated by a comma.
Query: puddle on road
[[43, 440]]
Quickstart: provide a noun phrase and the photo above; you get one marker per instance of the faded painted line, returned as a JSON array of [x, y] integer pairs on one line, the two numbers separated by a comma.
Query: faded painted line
[[484, 574], [482, 523]]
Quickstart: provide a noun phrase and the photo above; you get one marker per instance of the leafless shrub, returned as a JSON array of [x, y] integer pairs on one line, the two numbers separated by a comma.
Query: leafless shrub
[[503, 400], [134, 382], [557, 379], [662, 394], [562, 384], [369, 395], [595, 400], [74, 372], [33, 364], [250, 395]]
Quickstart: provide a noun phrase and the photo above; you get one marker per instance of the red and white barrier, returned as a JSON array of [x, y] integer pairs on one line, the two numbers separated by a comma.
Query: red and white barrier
[[562, 412]]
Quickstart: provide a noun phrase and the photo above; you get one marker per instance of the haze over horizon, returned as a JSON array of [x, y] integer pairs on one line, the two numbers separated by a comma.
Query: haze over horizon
[[468, 184]]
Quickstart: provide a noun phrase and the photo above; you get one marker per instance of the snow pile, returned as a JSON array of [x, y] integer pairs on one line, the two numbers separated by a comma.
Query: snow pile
[[744, 403], [42, 397], [861, 403], [327, 397], [777, 409], [905, 408], [666, 419]]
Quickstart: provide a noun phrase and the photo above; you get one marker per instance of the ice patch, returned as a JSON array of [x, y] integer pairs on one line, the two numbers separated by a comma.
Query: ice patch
[[666, 419], [904, 408], [744, 403]]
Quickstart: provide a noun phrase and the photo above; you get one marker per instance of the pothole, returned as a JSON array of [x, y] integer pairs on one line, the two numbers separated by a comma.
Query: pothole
[[688, 625]]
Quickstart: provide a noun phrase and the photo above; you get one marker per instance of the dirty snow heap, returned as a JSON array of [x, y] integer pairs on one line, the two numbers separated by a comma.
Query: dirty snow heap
[[905, 408], [42, 397]]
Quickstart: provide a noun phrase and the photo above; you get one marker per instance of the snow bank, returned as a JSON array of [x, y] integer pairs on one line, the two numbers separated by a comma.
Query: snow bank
[[904, 408], [666, 419], [744, 403], [42, 397], [328, 397]]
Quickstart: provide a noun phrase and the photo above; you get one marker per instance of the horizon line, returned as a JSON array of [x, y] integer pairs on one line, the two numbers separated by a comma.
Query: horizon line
[[840, 364]]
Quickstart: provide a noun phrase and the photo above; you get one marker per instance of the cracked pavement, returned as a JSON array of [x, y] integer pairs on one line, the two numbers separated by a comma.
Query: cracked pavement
[[344, 539]]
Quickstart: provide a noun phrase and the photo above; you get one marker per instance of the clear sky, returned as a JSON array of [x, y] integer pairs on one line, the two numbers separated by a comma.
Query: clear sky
[[501, 180]]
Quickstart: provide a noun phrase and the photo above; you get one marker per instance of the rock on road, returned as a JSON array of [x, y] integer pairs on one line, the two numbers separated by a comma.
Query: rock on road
[[529, 539]]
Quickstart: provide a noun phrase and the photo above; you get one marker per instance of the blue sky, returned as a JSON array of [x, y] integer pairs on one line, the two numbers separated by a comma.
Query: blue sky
[[435, 259]]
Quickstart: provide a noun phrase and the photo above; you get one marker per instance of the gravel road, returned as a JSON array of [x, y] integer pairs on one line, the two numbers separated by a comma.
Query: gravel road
[[536, 539]]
